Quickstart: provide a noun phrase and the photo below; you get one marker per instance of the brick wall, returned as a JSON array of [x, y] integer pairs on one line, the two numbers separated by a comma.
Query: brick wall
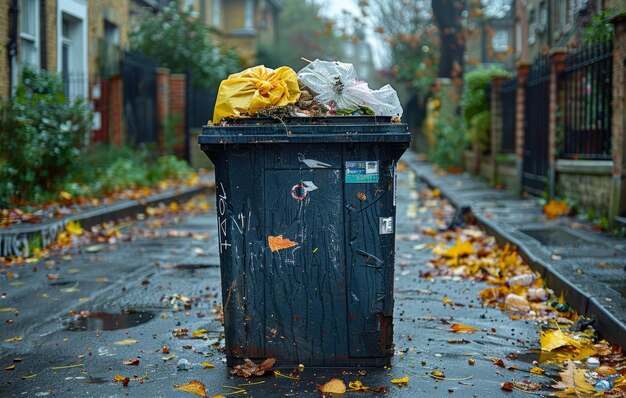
[[589, 191], [177, 108], [114, 11], [4, 56], [51, 36]]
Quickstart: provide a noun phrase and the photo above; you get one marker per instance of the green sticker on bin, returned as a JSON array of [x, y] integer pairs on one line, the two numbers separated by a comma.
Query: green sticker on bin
[[358, 172]]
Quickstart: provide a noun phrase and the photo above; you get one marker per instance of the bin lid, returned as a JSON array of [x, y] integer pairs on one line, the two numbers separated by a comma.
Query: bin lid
[[306, 130]]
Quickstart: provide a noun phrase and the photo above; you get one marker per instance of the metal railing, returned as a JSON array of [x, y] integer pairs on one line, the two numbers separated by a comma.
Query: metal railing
[[508, 95], [537, 106], [587, 89]]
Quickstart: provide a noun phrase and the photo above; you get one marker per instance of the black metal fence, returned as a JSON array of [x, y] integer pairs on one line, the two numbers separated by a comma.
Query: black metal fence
[[508, 95], [587, 89], [140, 98], [537, 103]]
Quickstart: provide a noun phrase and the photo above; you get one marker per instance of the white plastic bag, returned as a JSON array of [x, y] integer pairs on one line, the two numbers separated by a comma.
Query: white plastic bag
[[337, 85]]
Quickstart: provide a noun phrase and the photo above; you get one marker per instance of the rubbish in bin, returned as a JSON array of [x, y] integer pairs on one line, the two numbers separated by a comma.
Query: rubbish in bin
[[337, 85], [256, 88]]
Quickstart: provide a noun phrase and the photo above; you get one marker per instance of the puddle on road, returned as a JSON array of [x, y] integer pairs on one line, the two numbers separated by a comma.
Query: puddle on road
[[102, 321]]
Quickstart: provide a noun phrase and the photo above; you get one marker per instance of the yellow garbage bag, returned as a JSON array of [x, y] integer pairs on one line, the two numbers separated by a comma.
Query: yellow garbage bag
[[255, 88]]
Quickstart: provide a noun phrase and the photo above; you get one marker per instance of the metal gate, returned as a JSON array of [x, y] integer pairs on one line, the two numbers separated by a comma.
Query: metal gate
[[140, 98], [588, 95], [508, 96], [536, 126]]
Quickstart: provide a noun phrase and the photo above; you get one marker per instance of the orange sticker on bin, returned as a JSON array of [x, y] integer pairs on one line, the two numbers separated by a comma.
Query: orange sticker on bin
[[279, 243]]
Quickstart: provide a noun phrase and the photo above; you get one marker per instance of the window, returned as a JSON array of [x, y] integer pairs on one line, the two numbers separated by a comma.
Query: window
[[532, 28], [543, 17], [500, 41], [111, 33], [29, 31], [216, 13]]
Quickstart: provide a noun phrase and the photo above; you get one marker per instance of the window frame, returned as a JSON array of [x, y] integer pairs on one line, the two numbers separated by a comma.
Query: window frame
[[34, 38]]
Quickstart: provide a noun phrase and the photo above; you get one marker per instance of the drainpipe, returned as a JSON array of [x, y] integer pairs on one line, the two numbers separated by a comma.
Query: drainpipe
[[12, 45], [43, 43]]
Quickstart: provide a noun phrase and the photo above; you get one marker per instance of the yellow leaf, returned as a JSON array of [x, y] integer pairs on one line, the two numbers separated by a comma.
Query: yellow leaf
[[74, 228], [10, 367], [8, 309], [126, 342], [169, 358], [207, 365], [194, 387], [537, 370], [199, 333], [174, 207], [553, 339], [574, 379], [555, 208], [461, 248], [401, 381], [118, 378], [65, 195], [447, 300], [13, 339], [460, 328], [357, 386], [333, 386]]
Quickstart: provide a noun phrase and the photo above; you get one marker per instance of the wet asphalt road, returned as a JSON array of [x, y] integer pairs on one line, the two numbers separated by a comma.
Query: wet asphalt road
[[136, 276]]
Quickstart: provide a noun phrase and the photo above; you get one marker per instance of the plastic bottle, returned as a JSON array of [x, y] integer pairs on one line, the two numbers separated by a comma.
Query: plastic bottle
[[537, 294], [520, 280], [603, 385], [516, 303]]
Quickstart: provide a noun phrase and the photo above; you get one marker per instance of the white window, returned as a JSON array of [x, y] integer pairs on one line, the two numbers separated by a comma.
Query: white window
[[216, 13], [249, 14], [543, 17], [29, 31], [72, 46], [500, 41], [532, 28]]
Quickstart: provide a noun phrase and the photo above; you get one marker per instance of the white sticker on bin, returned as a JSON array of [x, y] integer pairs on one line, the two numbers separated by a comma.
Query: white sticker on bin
[[385, 225]]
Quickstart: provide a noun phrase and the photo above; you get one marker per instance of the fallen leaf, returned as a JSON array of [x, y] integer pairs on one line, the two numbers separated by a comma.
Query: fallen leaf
[[126, 342], [333, 386], [131, 362], [249, 368], [403, 381], [574, 379], [10, 367], [460, 328], [122, 379], [94, 248], [554, 338], [537, 370], [13, 339], [8, 309], [461, 248], [555, 208], [357, 386], [506, 386], [199, 333], [279, 243], [74, 228], [194, 387], [207, 365], [169, 357]]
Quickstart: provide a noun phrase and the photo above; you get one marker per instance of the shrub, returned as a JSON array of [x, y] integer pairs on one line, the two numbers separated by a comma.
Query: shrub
[[42, 133], [474, 100]]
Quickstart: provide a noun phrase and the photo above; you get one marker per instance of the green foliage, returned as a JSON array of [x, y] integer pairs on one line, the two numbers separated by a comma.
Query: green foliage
[[42, 133], [107, 169], [476, 114], [176, 40], [600, 28], [449, 143], [303, 33]]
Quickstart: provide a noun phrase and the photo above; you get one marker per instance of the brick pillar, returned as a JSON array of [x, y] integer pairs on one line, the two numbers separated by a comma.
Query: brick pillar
[[496, 124], [177, 109], [116, 111], [617, 202], [556, 60], [520, 111], [163, 105]]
